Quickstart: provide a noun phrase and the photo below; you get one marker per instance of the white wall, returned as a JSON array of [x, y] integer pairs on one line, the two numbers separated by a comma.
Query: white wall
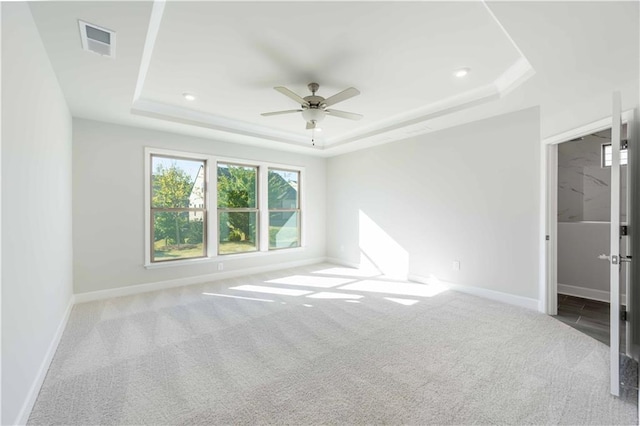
[[580, 272], [108, 205], [469, 193], [36, 215]]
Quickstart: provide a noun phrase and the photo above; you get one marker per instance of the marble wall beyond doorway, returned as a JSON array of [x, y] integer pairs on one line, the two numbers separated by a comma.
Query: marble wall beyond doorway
[[583, 184]]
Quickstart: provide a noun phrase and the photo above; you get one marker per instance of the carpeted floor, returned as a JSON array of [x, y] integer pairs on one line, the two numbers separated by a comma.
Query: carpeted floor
[[336, 347]]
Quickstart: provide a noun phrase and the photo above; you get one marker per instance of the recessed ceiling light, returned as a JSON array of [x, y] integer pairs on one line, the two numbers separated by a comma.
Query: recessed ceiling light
[[189, 96], [462, 72]]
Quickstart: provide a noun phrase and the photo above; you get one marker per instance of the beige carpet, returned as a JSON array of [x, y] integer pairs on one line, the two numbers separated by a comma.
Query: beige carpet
[[336, 348]]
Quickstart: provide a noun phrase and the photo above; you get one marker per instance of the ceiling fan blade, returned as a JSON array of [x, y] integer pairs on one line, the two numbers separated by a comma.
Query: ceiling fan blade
[[342, 96], [267, 114], [344, 114], [291, 95]]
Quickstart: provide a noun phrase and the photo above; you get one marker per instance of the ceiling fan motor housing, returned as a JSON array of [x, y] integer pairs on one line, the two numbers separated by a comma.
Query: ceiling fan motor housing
[[314, 101]]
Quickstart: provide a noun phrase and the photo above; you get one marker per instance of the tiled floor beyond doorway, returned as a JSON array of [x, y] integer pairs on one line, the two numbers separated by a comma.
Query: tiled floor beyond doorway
[[588, 316], [591, 317]]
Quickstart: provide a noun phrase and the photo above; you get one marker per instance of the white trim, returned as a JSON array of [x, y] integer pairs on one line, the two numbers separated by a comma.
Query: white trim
[[341, 262], [1, 229], [157, 10], [34, 390], [514, 76], [180, 282], [586, 129], [511, 299], [263, 208], [550, 275], [614, 280], [222, 258], [587, 293]]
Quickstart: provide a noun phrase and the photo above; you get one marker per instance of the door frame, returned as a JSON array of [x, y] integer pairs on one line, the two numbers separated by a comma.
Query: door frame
[[548, 302]]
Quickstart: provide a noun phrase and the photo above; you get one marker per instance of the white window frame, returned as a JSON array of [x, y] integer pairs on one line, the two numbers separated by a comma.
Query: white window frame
[[297, 210], [211, 198], [257, 208], [603, 162]]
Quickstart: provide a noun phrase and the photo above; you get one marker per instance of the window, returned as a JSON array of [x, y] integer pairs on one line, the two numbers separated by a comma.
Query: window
[[607, 153], [237, 208], [284, 209], [201, 207], [178, 200]]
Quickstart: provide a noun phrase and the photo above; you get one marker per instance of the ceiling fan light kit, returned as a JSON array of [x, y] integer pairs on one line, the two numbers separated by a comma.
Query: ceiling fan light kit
[[314, 107]]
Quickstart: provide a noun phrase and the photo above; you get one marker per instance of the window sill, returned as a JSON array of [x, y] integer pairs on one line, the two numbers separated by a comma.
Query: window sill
[[220, 258]]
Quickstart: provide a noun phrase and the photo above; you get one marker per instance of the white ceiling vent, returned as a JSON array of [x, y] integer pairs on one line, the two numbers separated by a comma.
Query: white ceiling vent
[[97, 39]]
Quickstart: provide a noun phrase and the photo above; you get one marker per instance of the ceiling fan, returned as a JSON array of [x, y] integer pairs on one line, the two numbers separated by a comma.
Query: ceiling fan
[[314, 107]]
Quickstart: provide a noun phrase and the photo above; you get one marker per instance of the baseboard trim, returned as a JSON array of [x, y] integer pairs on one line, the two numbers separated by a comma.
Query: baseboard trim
[[512, 299], [25, 411], [587, 293], [341, 262], [180, 282]]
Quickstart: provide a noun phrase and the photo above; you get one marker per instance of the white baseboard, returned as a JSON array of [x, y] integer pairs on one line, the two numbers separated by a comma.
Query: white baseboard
[[25, 411], [341, 262], [512, 299], [179, 282], [587, 293]]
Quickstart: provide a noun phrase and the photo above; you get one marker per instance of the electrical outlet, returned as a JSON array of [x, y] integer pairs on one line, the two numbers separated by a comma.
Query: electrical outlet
[[220, 266], [455, 265]]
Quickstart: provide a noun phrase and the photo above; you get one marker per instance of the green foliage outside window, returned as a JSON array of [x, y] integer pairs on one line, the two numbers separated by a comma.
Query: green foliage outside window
[[237, 190], [172, 188]]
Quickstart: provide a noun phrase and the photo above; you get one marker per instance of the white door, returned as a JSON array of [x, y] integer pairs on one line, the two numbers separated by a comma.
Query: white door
[[614, 256]]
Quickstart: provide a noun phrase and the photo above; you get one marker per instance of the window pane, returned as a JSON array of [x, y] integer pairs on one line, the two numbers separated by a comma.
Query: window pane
[[237, 186], [283, 189], [238, 232], [283, 230], [607, 154], [178, 235], [177, 183]]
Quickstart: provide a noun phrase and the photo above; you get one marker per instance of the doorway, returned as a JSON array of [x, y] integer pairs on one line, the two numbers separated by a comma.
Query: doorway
[[579, 234], [583, 230]]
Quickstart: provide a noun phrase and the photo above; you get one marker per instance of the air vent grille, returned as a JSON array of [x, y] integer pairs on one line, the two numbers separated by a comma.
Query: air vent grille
[[97, 39]]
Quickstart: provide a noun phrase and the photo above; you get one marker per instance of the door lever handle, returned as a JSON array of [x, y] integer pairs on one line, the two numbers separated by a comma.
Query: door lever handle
[[625, 258], [604, 257]]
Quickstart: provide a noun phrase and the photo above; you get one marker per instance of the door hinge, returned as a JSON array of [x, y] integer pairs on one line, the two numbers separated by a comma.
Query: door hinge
[[624, 230], [546, 237], [623, 314]]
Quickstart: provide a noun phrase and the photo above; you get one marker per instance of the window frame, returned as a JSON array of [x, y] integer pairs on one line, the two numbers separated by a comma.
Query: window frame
[[298, 210], [255, 209], [211, 206], [603, 147]]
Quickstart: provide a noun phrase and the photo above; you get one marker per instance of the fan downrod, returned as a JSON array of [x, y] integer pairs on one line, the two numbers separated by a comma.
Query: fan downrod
[[313, 87]]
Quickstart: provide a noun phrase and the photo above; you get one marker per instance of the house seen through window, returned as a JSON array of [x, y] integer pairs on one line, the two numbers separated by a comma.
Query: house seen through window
[[178, 208], [284, 209]]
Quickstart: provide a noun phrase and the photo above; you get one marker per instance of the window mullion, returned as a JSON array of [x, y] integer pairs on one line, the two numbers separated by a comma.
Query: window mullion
[[263, 208], [211, 196]]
